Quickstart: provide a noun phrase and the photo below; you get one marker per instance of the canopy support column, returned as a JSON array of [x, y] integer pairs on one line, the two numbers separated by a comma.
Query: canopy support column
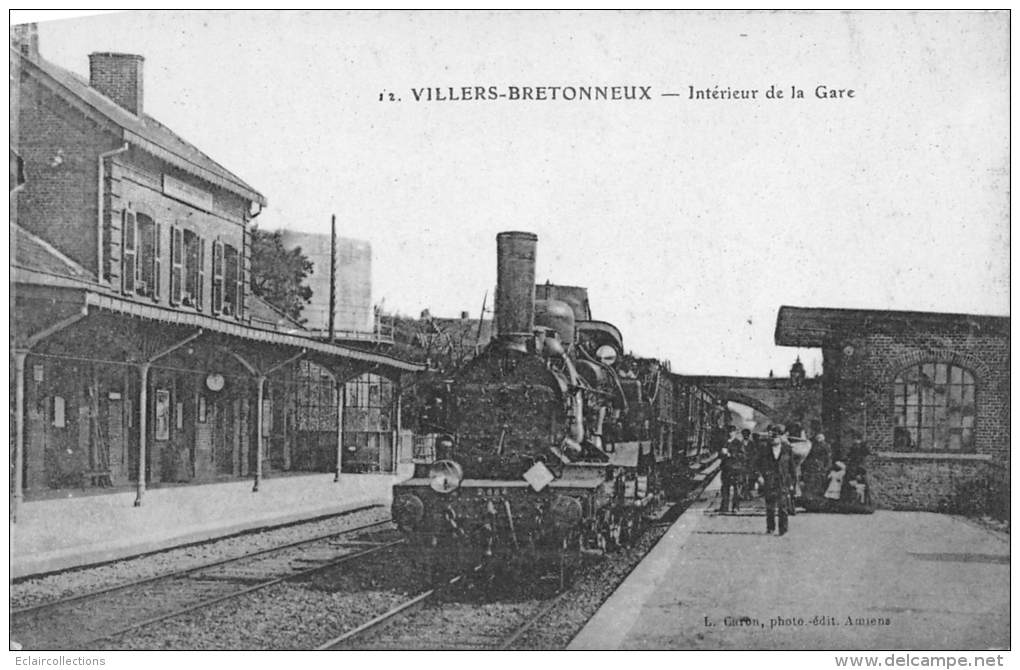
[[143, 419], [261, 381], [341, 400], [398, 405]]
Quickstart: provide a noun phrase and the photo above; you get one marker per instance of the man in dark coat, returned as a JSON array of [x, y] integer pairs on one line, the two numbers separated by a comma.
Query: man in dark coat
[[732, 455], [777, 474], [857, 455], [717, 439], [747, 445], [814, 470]]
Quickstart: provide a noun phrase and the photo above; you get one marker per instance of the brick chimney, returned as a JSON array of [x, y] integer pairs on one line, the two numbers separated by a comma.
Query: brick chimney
[[25, 38], [119, 78]]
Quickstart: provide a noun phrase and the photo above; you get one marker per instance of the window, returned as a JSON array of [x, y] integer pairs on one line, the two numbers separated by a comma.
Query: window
[[228, 280], [148, 257], [935, 408], [140, 255], [187, 268], [315, 398], [369, 403], [194, 270]]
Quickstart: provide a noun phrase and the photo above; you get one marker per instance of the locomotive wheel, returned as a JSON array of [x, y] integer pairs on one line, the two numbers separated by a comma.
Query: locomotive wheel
[[634, 526], [616, 532], [570, 559], [423, 558], [626, 531]]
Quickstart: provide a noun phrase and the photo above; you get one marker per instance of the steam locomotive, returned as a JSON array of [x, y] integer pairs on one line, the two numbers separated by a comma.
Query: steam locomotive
[[552, 440]]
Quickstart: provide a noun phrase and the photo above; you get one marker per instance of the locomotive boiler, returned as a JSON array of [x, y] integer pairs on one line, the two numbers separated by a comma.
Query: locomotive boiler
[[550, 441]]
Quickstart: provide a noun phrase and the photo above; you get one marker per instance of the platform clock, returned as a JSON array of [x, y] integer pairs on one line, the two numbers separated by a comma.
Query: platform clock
[[214, 381]]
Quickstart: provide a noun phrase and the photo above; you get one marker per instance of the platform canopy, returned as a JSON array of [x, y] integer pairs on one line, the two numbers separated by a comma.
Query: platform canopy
[[52, 289]]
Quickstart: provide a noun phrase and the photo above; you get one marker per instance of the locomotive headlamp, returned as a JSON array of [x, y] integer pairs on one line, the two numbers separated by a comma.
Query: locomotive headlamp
[[445, 476], [606, 354], [444, 447]]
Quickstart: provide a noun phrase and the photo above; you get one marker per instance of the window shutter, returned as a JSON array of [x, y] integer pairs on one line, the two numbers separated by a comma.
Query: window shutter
[[217, 274], [157, 261], [176, 264], [239, 295], [129, 237], [200, 284]]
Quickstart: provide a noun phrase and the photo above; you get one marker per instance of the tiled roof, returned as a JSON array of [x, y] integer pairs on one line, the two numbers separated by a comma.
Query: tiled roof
[[814, 326], [145, 131], [103, 302], [264, 314], [31, 253], [33, 261]]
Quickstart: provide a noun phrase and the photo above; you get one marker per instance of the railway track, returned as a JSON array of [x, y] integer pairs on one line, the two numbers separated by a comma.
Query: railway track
[[85, 620], [450, 617], [454, 616]]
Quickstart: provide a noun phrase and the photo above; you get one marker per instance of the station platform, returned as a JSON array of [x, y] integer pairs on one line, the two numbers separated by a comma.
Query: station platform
[[81, 529], [882, 581]]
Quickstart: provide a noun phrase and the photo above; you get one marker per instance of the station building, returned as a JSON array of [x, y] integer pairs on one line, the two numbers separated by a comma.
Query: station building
[[139, 354], [927, 392]]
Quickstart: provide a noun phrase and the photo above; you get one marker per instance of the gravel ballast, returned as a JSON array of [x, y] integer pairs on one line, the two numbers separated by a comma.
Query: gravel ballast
[[36, 590], [292, 615]]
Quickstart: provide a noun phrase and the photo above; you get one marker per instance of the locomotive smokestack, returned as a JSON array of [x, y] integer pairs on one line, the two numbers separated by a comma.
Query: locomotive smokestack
[[515, 285]]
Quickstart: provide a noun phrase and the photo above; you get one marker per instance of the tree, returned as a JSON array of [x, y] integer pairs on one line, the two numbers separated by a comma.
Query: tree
[[277, 273]]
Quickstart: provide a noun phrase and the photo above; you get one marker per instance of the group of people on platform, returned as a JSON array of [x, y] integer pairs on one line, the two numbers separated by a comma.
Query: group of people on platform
[[787, 470]]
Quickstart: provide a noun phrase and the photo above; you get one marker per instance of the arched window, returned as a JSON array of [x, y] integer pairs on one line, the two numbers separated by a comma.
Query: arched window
[[935, 408], [315, 398], [369, 403]]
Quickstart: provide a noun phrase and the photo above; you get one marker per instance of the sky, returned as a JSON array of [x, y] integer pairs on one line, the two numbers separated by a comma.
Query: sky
[[691, 221]]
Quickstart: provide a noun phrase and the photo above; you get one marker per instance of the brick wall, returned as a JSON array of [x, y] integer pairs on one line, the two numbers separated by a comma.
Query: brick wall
[[858, 396], [924, 483], [774, 397], [60, 147], [798, 405], [135, 181]]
